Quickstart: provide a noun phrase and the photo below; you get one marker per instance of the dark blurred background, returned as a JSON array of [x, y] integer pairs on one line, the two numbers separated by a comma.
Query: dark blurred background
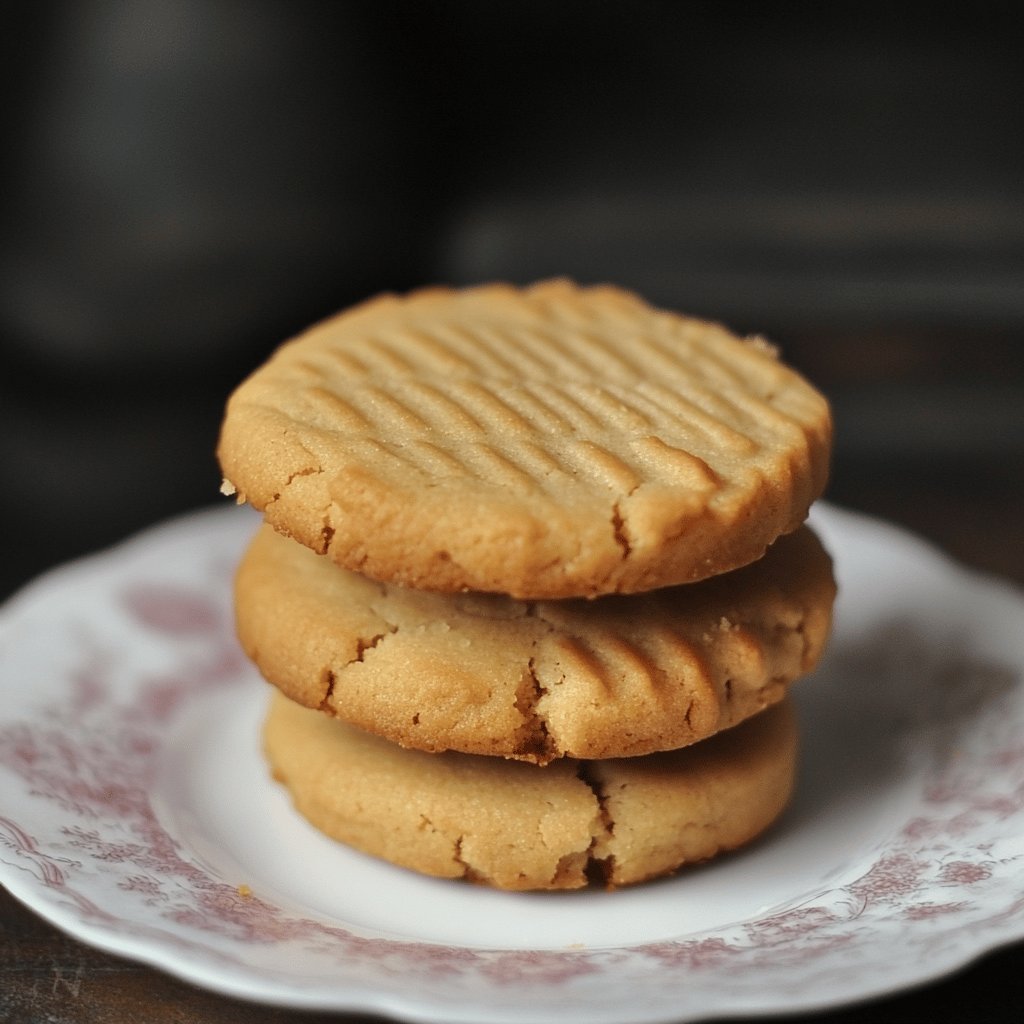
[[188, 182], [185, 183]]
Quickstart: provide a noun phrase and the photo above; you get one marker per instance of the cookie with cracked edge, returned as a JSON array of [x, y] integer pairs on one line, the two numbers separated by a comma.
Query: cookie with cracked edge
[[519, 826], [546, 442], [616, 676]]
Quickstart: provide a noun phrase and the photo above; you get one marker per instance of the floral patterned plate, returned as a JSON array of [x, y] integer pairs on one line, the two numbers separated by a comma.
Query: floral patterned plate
[[138, 816]]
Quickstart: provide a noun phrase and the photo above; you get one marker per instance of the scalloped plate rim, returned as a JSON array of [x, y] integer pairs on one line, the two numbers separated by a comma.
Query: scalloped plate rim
[[240, 983]]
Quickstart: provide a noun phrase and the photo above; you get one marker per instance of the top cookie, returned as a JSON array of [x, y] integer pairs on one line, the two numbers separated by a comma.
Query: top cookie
[[547, 442]]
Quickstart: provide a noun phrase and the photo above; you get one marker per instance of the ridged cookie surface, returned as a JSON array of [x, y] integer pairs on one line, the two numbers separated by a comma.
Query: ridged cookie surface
[[615, 676], [553, 441], [519, 826]]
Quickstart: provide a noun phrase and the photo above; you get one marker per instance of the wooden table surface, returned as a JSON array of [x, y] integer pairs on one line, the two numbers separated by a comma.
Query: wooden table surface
[[973, 513]]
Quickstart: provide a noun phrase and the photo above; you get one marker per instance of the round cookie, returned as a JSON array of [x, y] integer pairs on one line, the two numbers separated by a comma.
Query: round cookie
[[546, 442], [615, 676], [520, 826]]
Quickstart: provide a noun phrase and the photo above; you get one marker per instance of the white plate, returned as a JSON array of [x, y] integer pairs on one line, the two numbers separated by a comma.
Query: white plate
[[138, 816]]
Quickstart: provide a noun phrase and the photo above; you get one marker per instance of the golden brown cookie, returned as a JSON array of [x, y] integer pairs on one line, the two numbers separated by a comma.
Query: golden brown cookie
[[615, 676], [520, 826], [546, 442]]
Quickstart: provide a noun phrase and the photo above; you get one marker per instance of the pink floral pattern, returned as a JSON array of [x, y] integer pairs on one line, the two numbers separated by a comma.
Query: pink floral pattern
[[947, 883]]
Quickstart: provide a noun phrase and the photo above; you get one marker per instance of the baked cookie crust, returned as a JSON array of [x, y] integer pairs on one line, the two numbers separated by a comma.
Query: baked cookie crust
[[617, 676], [518, 826], [546, 442]]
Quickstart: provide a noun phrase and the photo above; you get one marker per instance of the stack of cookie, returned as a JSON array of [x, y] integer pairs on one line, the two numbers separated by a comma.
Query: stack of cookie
[[533, 580]]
